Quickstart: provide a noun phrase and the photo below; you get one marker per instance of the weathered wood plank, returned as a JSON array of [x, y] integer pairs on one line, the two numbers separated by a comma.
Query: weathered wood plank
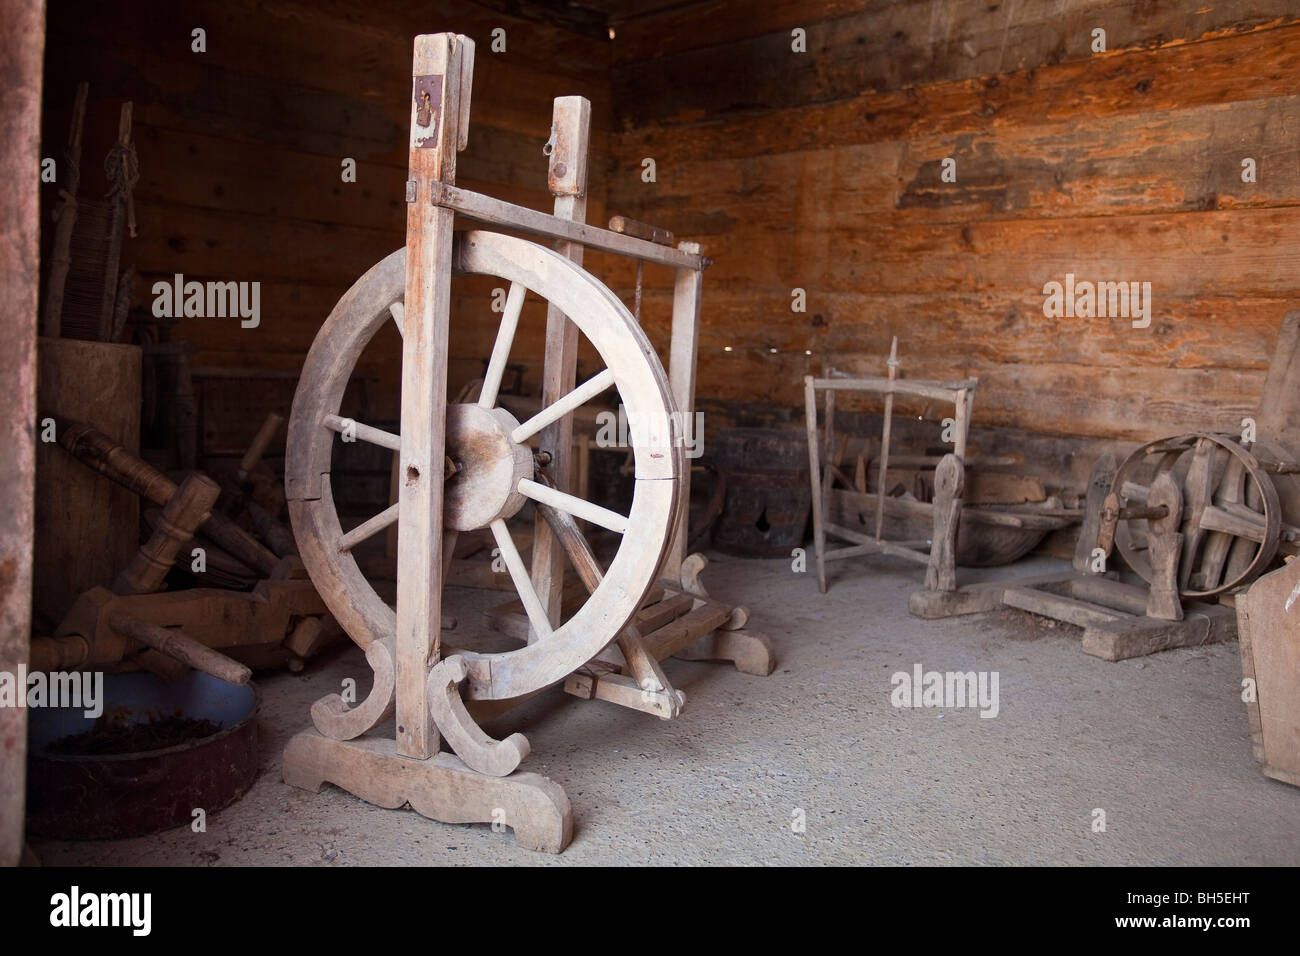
[[1174, 161], [921, 41], [1179, 77]]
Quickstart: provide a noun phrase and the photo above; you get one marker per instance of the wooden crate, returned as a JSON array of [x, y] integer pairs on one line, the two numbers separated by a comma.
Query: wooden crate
[[1270, 658]]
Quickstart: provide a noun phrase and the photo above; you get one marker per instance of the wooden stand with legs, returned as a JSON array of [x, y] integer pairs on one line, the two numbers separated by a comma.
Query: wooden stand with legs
[[468, 466], [938, 554]]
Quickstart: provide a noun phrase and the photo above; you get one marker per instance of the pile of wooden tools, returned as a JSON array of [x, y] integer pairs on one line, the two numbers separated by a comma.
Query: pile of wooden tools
[[266, 614]]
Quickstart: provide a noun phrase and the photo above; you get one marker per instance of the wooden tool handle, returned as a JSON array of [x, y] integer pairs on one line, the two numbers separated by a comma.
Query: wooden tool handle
[[261, 441], [279, 538], [175, 643], [187, 509], [96, 450]]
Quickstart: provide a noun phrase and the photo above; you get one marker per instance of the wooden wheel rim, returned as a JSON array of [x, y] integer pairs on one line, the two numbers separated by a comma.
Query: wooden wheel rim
[[642, 387], [1168, 460]]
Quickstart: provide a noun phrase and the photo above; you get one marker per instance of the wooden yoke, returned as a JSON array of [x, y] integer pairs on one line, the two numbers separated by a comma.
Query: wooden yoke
[[567, 179], [441, 72]]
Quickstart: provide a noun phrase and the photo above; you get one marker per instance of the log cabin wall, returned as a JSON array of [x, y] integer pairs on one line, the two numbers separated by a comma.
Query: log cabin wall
[[822, 171], [241, 150]]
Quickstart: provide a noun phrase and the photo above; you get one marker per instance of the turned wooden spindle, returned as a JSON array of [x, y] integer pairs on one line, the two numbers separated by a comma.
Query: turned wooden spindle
[[177, 645], [97, 451], [188, 508]]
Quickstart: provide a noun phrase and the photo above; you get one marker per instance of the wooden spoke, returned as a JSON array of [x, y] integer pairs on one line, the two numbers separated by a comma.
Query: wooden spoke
[[398, 312], [1231, 490], [1230, 517], [1249, 524], [374, 436], [573, 505], [519, 574], [368, 528], [501, 348], [580, 395]]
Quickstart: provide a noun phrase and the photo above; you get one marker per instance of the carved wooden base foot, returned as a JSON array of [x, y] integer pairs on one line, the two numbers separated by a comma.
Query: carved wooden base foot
[[441, 788], [751, 653]]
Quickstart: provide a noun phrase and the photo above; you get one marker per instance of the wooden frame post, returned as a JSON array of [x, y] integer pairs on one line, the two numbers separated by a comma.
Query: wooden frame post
[[441, 72], [688, 291], [567, 179], [22, 34]]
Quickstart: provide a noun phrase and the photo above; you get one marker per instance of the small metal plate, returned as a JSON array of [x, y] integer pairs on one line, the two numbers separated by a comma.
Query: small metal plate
[[428, 111]]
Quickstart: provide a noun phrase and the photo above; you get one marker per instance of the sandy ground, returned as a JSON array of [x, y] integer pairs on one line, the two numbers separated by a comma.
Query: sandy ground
[[1161, 745]]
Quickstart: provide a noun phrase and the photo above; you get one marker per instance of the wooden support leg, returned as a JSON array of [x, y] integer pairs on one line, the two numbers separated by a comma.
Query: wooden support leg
[[441, 787], [882, 485], [949, 478], [1103, 476], [1166, 545], [814, 471], [440, 96], [496, 758], [729, 640], [688, 290], [567, 178]]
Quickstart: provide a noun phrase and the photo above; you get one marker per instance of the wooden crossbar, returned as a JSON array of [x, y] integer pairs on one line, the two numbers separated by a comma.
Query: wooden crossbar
[[496, 212]]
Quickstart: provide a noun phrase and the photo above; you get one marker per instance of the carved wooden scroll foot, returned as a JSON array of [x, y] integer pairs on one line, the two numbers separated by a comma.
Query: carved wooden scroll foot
[[336, 720], [496, 758]]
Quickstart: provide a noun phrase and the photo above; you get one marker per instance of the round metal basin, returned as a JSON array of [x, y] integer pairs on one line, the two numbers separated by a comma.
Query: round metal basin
[[120, 795]]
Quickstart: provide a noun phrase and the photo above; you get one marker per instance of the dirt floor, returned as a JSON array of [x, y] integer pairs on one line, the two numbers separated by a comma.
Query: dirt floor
[[1161, 745]]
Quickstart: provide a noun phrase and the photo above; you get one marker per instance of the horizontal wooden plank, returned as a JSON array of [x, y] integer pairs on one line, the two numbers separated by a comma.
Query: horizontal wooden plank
[[276, 182], [1174, 161], [1132, 404], [1176, 77], [1060, 608], [1183, 254], [332, 47], [368, 120], [941, 331], [937, 40]]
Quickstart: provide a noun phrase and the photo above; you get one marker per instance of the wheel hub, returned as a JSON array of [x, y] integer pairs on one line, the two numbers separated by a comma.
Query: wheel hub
[[488, 467]]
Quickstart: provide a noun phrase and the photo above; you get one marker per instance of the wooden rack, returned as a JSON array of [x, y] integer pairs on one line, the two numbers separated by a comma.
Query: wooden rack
[[937, 553]]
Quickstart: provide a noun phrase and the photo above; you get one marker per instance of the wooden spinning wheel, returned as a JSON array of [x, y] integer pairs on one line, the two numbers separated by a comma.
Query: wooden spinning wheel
[[469, 465], [492, 469], [1231, 518]]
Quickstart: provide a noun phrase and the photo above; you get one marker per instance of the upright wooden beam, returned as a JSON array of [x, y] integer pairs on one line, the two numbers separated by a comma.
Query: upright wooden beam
[[22, 47], [814, 472], [567, 178], [441, 72], [688, 290]]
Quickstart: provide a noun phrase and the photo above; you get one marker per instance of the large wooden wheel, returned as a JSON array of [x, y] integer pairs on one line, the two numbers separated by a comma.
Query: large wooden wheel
[[1231, 518], [491, 470]]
